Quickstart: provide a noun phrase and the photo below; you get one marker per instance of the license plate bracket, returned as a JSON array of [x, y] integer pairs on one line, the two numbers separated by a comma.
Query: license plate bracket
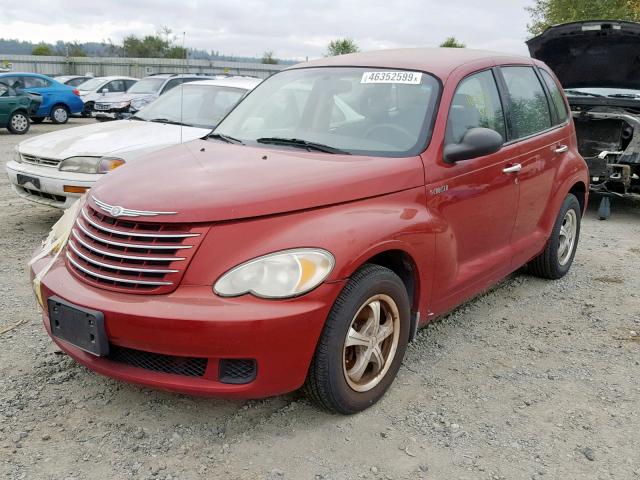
[[81, 327], [24, 179]]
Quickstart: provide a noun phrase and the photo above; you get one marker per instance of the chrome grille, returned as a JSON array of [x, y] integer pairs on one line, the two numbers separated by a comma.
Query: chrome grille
[[133, 256], [34, 160]]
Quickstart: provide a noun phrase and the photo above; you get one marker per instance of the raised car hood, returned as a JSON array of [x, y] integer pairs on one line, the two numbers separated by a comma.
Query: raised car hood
[[601, 53], [108, 138], [207, 181]]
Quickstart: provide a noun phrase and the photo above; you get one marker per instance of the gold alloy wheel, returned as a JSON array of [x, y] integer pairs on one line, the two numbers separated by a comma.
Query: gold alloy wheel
[[371, 343], [567, 238]]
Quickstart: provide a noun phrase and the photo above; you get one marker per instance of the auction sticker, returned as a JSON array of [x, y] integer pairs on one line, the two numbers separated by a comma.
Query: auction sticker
[[410, 78]]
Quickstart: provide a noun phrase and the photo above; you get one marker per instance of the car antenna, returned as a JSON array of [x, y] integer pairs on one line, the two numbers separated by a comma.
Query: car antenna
[[186, 64]]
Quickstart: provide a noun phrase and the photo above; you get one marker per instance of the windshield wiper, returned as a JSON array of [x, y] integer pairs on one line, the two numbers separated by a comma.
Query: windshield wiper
[[624, 95], [166, 120], [226, 138], [578, 92], [136, 117], [298, 142]]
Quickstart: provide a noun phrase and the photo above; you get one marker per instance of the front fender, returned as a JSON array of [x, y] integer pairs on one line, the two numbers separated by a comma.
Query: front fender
[[353, 232]]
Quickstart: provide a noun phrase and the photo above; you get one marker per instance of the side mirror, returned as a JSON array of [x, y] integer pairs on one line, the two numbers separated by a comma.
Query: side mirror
[[104, 91], [477, 142]]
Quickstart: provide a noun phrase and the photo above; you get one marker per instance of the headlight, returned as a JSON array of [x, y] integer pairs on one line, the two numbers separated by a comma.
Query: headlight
[[284, 274], [139, 103], [16, 155], [90, 164]]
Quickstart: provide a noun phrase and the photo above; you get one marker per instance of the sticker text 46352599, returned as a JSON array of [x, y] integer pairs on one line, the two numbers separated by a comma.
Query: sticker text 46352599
[[411, 78]]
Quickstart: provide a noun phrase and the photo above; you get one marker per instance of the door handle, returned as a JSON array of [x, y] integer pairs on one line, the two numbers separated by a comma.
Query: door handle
[[561, 149], [516, 167]]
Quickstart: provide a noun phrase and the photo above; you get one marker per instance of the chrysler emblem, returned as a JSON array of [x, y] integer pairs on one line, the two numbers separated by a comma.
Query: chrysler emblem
[[118, 211]]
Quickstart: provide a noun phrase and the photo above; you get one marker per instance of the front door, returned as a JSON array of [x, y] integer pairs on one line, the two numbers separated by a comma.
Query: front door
[[475, 201]]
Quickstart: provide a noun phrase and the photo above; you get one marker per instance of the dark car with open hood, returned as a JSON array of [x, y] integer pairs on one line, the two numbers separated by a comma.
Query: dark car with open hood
[[598, 64]]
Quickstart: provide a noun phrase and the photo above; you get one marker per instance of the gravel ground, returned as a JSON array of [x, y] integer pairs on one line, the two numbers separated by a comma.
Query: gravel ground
[[532, 380]]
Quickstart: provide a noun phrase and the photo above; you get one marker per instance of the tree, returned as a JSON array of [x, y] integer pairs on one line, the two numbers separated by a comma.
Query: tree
[[341, 46], [267, 57], [545, 13], [41, 49], [176, 52], [452, 42], [151, 46]]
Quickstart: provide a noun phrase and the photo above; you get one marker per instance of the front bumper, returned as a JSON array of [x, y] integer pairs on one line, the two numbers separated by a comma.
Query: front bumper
[[51, 184], [112, 113], [280, 336]]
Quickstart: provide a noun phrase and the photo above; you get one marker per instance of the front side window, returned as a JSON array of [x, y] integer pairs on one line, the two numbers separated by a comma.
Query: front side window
[[369, 111], [197, 105], [528, 106], [476, 103], [116, 86], [556, 96]]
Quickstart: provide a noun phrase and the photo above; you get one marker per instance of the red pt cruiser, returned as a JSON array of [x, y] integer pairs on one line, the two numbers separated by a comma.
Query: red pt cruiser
[[343, 204]]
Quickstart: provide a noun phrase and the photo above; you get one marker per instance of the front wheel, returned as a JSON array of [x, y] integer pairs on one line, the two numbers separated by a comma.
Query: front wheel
[[18, 123], [556, 259], [59, 114], [362, 344], [87, 110]]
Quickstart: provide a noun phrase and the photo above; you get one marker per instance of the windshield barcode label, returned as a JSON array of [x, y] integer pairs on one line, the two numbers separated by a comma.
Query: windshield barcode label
[[411, 78]]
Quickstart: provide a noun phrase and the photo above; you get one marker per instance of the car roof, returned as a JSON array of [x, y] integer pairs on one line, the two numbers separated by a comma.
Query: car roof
[[246, 83], [177, 75], [115, 77], [438, 61]]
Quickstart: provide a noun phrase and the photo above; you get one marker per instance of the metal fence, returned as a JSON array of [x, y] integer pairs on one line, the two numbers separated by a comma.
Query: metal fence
[[133, 67]]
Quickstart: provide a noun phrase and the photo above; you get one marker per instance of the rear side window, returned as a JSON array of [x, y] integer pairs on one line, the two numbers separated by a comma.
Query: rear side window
[[528, 107], [556, 96], [476, 103]]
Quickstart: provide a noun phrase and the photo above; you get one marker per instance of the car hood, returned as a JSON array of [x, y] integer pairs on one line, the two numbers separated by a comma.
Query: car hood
[[124, 97], [206, 181], [594, 53], [108, 138]]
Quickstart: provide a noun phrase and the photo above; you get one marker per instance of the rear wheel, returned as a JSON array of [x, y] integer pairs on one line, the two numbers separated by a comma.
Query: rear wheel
[[18, 123], [556, 259], [59, 114], [362, 344]]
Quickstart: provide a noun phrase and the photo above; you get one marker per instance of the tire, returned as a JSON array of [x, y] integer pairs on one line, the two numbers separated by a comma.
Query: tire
[[555, 260], [332, 381], [37, 119], [87, 109], [18, 123], [59, 114]]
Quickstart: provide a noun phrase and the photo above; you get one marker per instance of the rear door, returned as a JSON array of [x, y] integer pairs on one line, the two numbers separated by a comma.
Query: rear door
[[42, 87], [539, 134], [474, 200]]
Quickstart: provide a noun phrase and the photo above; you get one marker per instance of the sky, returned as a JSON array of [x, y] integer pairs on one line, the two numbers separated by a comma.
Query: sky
[[291, 29]]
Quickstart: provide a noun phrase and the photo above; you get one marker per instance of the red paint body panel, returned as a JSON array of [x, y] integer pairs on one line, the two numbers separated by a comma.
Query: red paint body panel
[[463, 226]]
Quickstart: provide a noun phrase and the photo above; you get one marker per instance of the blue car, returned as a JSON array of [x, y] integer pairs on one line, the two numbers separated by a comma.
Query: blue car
[[58, 100]]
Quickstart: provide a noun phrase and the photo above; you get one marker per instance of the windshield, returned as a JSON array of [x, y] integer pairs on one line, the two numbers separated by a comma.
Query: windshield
[[147, 85], [202, 105], [368, 111], [91, 85]]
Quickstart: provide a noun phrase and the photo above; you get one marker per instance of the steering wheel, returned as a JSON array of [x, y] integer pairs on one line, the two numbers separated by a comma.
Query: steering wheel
[[381, 127]]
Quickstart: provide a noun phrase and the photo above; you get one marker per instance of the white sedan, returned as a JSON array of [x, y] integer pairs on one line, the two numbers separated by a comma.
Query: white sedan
[[101, 88], [57, 167]]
